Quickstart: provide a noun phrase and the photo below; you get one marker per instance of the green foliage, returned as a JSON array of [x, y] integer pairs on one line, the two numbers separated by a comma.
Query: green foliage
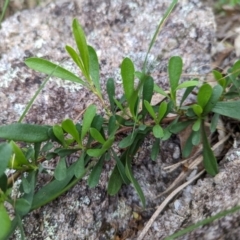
[[92, 139]]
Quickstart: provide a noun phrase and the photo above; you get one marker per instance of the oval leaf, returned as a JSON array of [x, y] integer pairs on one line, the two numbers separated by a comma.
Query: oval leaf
[[60, 171], [5, 156], [24, 132]]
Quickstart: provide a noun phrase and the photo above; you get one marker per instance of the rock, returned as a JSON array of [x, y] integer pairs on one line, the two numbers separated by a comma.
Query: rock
[[116, 29]]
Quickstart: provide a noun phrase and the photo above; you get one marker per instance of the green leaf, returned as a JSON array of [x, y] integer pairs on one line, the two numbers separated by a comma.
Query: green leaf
[[87, 120], [63, 152], [76, 58], [121, 167], [127, 73], [186, 94], [81, 44], [97, 135], [197, 109], [136, 185], [44, 66], [150, 110], [112, 126], [159, 90], [209, 160], [235, 69], [147, 93], [187, 149], [214, 122], [94, 68], [127, 141], [26, 185], [18, 158], [188, 84], [69, 127], [180, 126], [22, 206], [115, 182], [196, 125], [111, 93], [96, 152], [155, 149], [158, 131], [216, 94], [52, 189], [60, 171], [174, 72], [229, 109], [24, 132], [5, 222], [5, 156], [80, 166], [162, 111], [196, 137], [204, 95], [96, 172], [3, 182], [58, 132], [217, 75]]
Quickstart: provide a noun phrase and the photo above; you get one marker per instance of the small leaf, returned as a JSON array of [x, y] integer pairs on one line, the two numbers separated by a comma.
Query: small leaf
[[162, 111], [196, 125], [150, 110], [115, 182], [216, 94], [81, 44], [147, 93], [94, 68], [188, 146], [197, 109], [188, 84], [26, 185], [44, 66], [97, 135], [180, 126], [127, 73], [80, 166], [158, 131], [60, 171], [111, 93], [3, 182], [174, 71], [112, 126], [186, 94], [95, 152], [196, 137], [204, 95], [155, 149], [24, 132], [87, 120], [229, 109], [94, 177], [127, 141], [136, 185], [209, 160], [18, 158], [76, 58], [214, 122], [22, 206], [159, 90], [69, 127], [58, 132], [5, 222], [5, 156]]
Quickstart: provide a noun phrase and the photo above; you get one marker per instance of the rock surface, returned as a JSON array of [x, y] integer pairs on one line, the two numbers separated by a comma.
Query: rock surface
[[116, 29]]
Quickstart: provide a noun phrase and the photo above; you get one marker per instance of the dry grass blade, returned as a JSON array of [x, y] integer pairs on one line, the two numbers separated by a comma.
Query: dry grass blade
[[164, 204]]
